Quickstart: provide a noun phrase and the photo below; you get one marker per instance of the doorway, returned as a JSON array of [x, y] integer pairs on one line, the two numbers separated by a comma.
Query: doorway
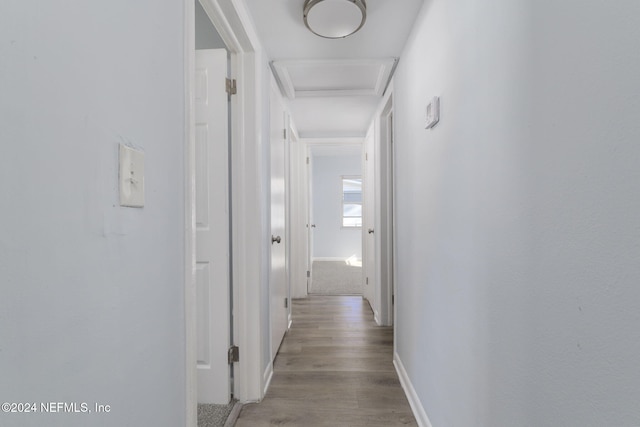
[[248, 230], [336, 219], [214, 325]]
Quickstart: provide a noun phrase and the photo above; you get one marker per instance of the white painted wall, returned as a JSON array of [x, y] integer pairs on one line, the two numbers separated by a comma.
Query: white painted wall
[[518, 214], [92, 306], [330, 239], [207, 37]]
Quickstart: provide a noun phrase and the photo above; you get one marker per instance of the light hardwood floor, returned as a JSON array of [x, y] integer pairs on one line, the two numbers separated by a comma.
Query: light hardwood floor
[[334, 368]]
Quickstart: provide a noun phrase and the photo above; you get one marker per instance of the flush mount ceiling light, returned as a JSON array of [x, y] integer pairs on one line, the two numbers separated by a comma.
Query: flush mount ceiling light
[[334, 19]]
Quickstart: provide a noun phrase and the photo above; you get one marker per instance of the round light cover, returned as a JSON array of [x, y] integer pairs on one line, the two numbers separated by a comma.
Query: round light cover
[[334, 19]]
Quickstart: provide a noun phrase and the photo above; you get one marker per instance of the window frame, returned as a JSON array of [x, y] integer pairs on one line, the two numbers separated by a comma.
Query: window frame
[[342, 203]]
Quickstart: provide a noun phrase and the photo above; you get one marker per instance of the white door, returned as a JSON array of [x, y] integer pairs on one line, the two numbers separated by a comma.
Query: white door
[[212, 226], [384, 218], [309, 220], [368, 224], [278, 282], [311, 226]]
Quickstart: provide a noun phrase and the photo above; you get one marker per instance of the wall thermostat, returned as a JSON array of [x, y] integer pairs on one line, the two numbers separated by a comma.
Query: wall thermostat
[[432, 113]]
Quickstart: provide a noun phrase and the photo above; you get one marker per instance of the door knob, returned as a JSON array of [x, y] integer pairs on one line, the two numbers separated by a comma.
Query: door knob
[[313, 226], [275, 239], [370, 231]]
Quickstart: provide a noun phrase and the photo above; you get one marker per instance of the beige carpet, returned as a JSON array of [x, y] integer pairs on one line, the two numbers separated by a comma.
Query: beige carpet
[[335, 278], [215, 415]]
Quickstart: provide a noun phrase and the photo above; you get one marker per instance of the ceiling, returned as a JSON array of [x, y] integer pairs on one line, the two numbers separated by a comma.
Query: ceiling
[[333, 85]]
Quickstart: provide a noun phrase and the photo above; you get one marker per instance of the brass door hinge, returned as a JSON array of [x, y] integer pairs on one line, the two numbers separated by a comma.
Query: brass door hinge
[[231, 86], [234, 354]]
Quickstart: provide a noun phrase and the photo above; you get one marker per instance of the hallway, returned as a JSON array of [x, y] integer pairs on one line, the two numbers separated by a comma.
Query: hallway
[[334, 368]]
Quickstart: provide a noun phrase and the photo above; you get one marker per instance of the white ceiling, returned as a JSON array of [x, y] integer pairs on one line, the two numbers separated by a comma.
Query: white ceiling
[[333, 85], [333, 77]]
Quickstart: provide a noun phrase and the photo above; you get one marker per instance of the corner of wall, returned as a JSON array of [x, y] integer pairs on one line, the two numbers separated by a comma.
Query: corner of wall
[[414, 401]]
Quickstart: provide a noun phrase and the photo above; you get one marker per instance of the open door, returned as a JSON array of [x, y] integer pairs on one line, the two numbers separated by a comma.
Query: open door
[[311, 225], [384, 217], [212, 227], [368, 224]]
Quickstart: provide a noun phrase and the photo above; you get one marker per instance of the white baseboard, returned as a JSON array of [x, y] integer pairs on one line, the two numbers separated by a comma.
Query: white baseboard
[[266, 378], [233, 416], [412, 396]]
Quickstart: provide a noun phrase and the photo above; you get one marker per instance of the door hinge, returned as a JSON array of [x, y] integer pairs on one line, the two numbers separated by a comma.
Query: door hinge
[[307, 160], [367, 281], [308, 273], [286, 303], [284, 133], [366, 156], [231, 87], [234, 354]]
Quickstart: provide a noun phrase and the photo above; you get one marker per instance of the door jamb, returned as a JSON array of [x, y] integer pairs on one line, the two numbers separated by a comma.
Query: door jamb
[[191, 379]]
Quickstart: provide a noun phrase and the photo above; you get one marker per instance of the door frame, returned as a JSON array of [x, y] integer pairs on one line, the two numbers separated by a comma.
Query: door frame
[[249, 231], [309, 144], [291, 138]]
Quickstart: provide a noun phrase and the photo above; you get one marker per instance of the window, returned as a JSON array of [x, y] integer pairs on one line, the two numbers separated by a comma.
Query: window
[[352, 201]]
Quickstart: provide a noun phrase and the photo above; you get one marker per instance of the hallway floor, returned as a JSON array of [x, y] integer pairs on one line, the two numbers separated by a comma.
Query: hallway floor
[[334, 368]]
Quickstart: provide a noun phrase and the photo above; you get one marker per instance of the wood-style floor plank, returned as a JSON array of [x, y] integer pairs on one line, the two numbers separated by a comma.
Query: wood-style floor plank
[[334, 368]]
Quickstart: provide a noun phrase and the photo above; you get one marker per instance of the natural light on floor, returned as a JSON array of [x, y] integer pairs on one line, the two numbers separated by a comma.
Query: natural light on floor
[[354, 261]]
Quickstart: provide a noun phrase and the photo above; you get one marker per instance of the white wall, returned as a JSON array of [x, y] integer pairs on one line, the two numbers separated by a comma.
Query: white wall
[[330, 239], [518, 214], [207, 37], [92, 306]]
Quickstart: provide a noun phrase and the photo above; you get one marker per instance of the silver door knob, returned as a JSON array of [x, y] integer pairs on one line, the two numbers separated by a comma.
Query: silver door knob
[[275, 239], [370, 231]]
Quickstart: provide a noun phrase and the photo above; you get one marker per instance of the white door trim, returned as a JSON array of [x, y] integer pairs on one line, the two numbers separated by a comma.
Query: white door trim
[[249, 230], [191, 379]]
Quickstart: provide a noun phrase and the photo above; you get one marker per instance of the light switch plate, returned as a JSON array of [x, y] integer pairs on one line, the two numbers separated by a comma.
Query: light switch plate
[[432, 113], [131, 177]]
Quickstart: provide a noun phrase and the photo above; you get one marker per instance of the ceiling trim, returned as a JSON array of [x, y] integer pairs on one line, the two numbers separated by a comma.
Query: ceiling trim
[[281, 70]]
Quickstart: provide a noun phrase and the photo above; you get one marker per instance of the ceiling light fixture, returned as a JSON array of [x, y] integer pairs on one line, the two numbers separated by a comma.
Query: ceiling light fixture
[[334, 19]]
